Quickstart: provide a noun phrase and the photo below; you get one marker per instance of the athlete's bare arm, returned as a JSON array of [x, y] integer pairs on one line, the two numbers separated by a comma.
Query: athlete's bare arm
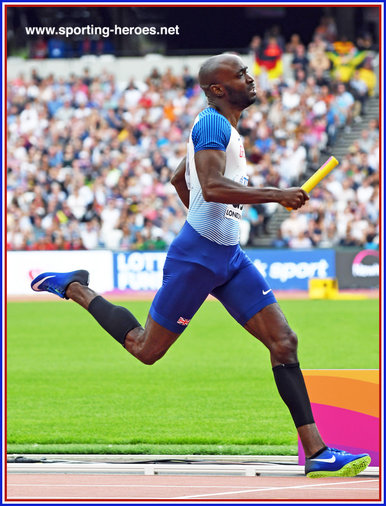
[[210, 166], [179, 182]]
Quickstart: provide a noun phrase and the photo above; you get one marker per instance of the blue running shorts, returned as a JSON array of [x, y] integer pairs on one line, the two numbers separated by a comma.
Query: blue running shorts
[[196, 267]]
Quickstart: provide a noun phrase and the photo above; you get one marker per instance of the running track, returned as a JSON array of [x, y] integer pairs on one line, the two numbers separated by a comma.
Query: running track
[[67, 486]]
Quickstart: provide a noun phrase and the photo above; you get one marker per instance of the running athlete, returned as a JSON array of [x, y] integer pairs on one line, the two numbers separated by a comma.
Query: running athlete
[[205, 258]]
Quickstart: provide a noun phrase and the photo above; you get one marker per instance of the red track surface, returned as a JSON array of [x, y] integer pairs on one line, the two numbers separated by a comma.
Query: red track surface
[[121, 487]]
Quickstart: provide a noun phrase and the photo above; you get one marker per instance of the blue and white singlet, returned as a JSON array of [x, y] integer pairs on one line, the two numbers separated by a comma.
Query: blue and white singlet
[[215, 221]]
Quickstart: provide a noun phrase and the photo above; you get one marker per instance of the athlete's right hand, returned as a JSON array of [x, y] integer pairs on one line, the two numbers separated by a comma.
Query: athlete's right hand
[[293, 198]]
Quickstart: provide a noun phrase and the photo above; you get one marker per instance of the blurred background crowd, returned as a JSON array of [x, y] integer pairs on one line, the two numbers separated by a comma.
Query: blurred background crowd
[[90, 157]]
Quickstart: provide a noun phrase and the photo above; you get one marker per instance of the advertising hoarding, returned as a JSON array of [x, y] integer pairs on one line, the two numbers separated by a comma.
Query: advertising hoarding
[[358, 268], [283, 269]]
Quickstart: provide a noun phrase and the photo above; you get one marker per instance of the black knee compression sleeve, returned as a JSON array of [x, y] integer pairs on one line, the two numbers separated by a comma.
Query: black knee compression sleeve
[[292, 389], [116, 320]]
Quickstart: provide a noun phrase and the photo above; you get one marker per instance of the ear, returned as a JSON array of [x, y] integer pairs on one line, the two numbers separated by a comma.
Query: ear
[[217, 90]]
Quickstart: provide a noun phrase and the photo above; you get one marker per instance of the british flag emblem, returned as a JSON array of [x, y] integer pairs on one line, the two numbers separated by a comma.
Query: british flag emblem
[[183, 321]]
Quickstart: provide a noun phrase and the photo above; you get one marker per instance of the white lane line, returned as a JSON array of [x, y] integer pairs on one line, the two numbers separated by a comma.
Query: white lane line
[[112, 485], [85, 498], [133, 498], [293, 487]]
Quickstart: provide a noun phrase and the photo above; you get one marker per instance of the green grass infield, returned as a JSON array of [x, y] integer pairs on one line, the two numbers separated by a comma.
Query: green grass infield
[[72, 389]]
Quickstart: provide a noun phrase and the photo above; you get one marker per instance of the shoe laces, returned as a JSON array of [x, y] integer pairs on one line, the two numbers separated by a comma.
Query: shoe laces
[[335, 450]]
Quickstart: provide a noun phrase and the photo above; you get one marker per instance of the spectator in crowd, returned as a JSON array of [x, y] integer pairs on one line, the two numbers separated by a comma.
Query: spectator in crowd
[[293, 43], [343, 105], [293, 226], [268, 59], [345, 59], [327, 29], [367, 75], [360, 92], [318, 59], [89, 162], [300, 60], [365, 42], [39, 49], [301, 241]]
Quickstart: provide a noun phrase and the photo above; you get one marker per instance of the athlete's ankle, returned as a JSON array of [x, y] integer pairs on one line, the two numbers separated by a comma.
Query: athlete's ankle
[[321, 450], [80, 294]]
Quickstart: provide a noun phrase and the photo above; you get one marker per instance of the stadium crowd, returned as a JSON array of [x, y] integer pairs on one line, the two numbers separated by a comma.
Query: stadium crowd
[[90, 158]]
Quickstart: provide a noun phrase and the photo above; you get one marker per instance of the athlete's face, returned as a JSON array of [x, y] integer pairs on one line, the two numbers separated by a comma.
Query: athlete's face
[[238, 84]]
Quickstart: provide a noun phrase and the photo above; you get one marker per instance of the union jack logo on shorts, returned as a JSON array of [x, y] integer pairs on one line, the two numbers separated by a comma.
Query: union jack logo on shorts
[[183, 321]]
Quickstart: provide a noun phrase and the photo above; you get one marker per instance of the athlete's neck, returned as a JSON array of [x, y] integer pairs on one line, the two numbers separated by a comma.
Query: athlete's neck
[[232, 115]]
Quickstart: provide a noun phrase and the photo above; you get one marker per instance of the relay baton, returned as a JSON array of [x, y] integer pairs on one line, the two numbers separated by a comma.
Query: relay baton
[[321, 173]]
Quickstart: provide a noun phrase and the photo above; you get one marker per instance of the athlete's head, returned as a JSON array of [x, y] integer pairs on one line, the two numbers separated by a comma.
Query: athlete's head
[[225, 78]]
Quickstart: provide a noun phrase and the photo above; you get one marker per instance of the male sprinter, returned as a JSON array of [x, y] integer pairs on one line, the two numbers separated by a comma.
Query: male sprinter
[[206, 258]]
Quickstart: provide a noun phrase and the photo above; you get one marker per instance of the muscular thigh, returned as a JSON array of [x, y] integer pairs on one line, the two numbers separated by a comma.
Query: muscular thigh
[[246, 292], [185, 287]]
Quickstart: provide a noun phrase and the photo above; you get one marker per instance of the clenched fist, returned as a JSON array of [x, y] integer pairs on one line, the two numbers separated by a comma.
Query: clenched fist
[[293, 198]]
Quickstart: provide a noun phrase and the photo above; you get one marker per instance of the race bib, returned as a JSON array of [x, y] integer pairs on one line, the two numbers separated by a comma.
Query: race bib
[[235, 211]]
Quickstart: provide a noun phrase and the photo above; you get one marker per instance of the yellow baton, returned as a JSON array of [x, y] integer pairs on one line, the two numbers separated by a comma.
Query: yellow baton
[[321, 173]]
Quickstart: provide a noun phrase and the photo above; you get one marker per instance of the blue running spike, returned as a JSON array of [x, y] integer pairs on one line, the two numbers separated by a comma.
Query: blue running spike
[[57, 282], [333, 462]]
